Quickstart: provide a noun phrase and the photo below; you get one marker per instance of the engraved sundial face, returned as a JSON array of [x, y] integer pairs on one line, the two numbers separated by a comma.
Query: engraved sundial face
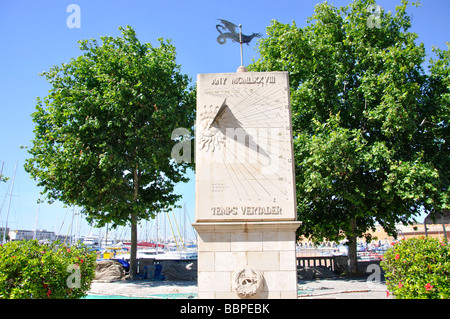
[[244, 147]]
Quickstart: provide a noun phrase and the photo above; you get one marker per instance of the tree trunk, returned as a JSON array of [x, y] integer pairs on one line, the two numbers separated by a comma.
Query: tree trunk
[[134, 220], [133, 248], [352, 261]]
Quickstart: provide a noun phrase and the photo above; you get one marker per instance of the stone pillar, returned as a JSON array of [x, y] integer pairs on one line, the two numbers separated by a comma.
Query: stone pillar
[[245, 187]]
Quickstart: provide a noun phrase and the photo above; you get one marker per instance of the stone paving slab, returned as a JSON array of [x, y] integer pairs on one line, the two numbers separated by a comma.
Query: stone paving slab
[[333, 288]]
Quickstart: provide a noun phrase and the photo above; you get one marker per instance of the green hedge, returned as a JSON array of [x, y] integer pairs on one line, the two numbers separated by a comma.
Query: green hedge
[[418, 268], [29, 270]]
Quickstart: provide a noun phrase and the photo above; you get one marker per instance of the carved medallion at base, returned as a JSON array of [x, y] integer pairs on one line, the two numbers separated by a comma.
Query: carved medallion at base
[[248, 283]]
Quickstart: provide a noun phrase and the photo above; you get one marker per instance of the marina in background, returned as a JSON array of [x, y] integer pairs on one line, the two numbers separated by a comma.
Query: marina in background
[[179, 245], [166, 238], [374, 250]]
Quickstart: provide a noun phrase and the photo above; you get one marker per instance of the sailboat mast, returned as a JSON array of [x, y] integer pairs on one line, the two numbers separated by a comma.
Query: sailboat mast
[[37, 216], [157, 232], [9, 206], [184, 223], [164, 230]]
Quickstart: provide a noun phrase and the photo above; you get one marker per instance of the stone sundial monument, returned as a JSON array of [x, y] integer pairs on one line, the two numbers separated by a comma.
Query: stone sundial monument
[[245, 186]]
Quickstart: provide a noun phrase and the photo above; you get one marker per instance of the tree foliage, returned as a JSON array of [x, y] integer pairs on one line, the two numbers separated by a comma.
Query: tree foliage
[[2, 177], [103, 138], [370, 126]]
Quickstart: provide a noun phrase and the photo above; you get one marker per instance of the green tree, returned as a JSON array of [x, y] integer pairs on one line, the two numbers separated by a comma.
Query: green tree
[[370, 126], [103, 139]]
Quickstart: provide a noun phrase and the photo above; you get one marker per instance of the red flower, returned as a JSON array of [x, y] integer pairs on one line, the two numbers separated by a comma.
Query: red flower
[[397, 256], [68, 250], [428, 287], [400, 285], [49, 293], [387, 293]]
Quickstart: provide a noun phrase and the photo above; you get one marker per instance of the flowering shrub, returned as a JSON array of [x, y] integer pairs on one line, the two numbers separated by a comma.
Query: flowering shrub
[[418, 268], [50, 271]]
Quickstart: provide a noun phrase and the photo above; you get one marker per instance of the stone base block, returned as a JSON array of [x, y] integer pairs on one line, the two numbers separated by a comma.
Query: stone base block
[[247, 260]]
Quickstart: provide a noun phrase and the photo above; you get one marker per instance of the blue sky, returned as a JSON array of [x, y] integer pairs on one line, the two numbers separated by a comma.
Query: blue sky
[[35, 36]]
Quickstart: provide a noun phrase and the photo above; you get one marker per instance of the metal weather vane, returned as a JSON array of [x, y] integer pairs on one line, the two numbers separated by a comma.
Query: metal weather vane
[[229, 30]]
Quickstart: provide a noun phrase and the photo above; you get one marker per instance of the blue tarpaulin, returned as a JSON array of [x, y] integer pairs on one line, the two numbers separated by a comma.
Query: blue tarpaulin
[[124, 263]]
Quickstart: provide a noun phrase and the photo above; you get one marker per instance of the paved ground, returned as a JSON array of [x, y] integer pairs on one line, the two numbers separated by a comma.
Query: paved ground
[[334, 288], [146, 289], [341, 288]]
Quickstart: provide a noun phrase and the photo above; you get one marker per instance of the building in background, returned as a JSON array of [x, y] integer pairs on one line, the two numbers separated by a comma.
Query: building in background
[[416, 230], [23, 234]]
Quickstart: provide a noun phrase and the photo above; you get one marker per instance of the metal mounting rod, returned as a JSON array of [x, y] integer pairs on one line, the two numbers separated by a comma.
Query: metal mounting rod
[[240, 42]]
